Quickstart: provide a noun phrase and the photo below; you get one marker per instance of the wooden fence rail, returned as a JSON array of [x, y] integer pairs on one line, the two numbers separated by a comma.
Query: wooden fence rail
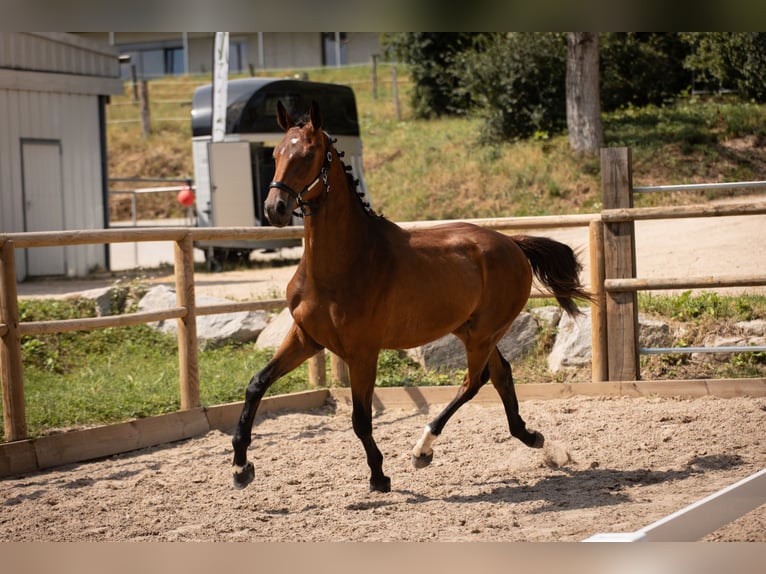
[[620, 283], [185, 311], [613, 281]]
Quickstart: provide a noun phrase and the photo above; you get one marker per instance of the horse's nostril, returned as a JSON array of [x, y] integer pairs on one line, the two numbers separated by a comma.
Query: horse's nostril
[[281, 207]]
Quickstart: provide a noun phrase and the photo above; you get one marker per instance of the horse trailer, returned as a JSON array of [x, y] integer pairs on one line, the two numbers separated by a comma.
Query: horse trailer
[[232, 176]]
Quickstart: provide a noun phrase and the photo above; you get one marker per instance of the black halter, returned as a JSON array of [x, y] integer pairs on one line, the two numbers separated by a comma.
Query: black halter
[[309, 208]]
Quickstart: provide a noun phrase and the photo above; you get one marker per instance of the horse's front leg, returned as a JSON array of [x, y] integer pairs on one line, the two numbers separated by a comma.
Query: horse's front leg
[[362, 373], [296, 348]]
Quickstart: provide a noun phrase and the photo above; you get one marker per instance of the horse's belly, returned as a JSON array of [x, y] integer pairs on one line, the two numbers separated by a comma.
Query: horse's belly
[[421, 324]]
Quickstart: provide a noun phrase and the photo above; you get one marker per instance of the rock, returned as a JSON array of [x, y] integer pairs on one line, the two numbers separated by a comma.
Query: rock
[[548, 316], [756, 328], [212, 330], [714, 340], [444, 353], [573, 342], [653, 333], [276, 331], [448, 352], [520, 338], [108, 300]]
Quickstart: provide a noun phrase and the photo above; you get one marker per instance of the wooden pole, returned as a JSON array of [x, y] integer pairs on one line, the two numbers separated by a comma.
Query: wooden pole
[[317, 373], [599, 341], [395, 89], [188, 356], [144, 106], [620, 263], [339, 371], [374, 76], [14, 414]]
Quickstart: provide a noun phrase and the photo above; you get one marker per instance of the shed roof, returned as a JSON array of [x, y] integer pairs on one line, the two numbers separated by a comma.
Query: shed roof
[[252, 105]]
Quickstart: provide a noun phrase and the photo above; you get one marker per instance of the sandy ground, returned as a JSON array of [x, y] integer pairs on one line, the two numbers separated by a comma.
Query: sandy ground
[[631, 462]]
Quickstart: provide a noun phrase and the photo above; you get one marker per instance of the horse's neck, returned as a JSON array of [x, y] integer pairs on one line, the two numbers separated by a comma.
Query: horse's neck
[[338, 233]]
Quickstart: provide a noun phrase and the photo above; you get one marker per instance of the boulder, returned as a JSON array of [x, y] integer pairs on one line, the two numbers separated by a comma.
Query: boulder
[[448, 352], [212, 330], [715, 340], [548, 316], [573, 342], [755, 328], [653, 333], [276, 331], [108, 300]]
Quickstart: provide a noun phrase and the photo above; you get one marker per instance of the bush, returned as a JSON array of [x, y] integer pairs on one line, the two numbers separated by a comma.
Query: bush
[[638, 69], [517, 84]]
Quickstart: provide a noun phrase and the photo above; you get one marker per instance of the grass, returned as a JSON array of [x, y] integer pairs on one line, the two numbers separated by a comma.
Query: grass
[[415, 169], [435, 169], [114, 374]]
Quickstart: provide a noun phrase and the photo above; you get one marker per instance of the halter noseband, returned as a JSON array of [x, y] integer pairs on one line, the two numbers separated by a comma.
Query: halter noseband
[[313, 206]]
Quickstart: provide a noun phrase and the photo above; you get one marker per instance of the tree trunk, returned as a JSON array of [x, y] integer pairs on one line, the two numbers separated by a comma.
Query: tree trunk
[[583, 97]]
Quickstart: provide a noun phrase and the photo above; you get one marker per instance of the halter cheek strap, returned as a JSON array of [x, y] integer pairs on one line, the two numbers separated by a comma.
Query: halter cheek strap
[[313, 206]]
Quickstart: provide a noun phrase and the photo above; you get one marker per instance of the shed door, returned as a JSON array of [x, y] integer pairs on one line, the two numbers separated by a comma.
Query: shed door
[[231, 184], [43, 194]]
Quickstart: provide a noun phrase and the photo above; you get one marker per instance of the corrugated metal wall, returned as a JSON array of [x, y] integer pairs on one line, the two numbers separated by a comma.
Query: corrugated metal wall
[[71, 119], [57, 52]]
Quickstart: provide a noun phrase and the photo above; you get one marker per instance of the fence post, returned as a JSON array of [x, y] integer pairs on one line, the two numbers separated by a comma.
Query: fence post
[[395, 91], [317, 372], [374, 76], [620, 263], [599, 341], [188, 354], [339, 371], [143, 92], [11, 373]]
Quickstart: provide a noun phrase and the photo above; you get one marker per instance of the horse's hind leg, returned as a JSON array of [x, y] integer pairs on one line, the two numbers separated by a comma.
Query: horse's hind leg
[[502, 379], [477, 375], [296, 348]]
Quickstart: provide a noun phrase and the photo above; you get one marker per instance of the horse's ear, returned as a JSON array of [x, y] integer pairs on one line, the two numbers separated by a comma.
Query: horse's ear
[[283, 118], [316, 117]]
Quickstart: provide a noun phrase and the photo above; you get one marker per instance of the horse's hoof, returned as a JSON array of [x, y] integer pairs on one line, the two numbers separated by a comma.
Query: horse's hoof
[[243, 475], [538, 441], [381, 485], [423, 460]]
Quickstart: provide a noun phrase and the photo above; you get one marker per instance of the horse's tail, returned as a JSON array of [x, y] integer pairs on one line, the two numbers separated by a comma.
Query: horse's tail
[[557, 267]]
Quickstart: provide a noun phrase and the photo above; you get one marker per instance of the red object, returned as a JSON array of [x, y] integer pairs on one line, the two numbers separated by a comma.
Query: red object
[[186, 196]]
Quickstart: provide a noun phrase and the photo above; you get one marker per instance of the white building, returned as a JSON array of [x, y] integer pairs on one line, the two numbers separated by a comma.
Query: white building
[[53, 89], [155, 54]]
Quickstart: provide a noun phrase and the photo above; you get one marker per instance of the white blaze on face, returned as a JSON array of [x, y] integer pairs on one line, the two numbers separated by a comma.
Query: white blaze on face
[[423, 446]]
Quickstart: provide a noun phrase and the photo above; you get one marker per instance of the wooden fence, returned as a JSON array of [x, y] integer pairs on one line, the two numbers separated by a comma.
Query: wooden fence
[[612, 280]]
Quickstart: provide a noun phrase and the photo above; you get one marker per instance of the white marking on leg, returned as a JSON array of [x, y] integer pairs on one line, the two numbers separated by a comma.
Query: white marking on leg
[[236, 469], [423, 446]]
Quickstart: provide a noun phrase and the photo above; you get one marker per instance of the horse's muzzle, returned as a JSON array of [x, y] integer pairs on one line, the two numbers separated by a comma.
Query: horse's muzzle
[[279, 207]]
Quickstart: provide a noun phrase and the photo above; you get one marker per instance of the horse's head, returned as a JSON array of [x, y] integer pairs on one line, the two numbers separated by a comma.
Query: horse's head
[[301, 166]]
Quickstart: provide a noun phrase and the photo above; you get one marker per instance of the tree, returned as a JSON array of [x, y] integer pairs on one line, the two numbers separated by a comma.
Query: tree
[[431, 56], [734, 60], [586, 133], [516, 83], [641, 68]]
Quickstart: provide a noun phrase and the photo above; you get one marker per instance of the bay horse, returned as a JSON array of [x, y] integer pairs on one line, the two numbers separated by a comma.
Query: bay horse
[[364, 284]]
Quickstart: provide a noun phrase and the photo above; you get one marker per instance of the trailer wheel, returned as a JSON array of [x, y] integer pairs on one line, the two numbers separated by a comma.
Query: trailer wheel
[[217, 257]]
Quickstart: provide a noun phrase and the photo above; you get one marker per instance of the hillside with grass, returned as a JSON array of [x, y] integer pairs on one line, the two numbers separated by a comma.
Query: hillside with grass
[[415, 169], [436, 169]]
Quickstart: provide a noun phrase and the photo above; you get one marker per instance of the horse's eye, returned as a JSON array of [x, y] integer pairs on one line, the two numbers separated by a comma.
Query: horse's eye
[[310, 155]]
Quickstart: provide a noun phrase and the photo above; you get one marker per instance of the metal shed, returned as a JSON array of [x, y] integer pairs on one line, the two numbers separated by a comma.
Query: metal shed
[[232, 176], [53, 92]]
